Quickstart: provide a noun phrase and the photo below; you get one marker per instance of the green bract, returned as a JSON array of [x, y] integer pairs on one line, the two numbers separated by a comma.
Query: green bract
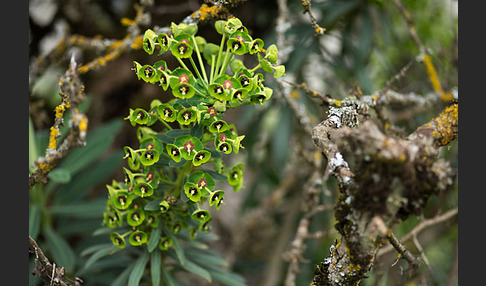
[[137, 238], [174, 170], [117, 240]]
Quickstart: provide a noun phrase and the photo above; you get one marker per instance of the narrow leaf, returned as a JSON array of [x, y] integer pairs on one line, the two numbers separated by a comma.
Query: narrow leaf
[[153, 241], [137, 271], [34, 220], [155, 267], [62, 254], [60, 175]]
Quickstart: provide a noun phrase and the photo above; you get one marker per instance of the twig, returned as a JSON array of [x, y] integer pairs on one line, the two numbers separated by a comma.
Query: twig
[[421, 227], [434, 79], [412, 260], [317, 29], [72, 94], [48, 270]]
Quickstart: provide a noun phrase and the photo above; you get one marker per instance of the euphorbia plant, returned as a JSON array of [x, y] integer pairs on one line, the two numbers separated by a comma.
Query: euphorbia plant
[[171, 176]]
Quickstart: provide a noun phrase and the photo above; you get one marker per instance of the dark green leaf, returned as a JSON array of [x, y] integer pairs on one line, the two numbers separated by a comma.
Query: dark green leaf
[[176, 247], [60, 175], [216, 175], [86, 209], [34, 220], [60, 250], [86, 180], [206, 257], [197, 131], [95, 248], [175, 164], [153, 205], [138, 269], [155, 267], [153, 241], [122, 279], [97, 142], [196, 269], [168, 277], [226, 278], [100, 254]]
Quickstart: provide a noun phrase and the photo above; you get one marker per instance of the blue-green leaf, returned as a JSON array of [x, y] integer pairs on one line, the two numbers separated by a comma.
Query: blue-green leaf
[[122, 279], [153, 241], [100, 253], [86, 209], [155, 267], [60, 250], [60, 175], [137, 271], [168, 278], [196, 269], [97, 142], [34, 220]]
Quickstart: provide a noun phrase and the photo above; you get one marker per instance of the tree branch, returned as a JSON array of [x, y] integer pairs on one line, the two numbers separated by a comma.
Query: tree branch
[[56, 275]]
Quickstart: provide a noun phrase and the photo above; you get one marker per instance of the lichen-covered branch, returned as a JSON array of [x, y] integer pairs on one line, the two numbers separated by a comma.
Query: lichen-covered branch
[[395, 179], [44, 268], [307, 9], [72, 94]]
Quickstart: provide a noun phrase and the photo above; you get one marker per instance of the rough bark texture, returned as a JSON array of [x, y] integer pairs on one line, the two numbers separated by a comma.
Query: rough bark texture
[[396, 177]]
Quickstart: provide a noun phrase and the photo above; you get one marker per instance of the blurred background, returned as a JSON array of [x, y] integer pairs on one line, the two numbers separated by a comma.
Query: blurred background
[[365, 44]]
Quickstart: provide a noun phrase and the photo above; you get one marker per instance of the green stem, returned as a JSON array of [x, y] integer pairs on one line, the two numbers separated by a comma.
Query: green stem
[[195, 68], [213, 64], [183, 171], [226, 61], [220, 53], [255, 68], [182, 63], [201, 64], [166, 124]]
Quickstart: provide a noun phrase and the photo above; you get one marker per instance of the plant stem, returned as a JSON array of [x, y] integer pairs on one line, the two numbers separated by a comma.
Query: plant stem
[[198, 73], [226, 61], [201, 64], [254, 69], [166, 124], [220, 53], [213, 64], [182, 63]]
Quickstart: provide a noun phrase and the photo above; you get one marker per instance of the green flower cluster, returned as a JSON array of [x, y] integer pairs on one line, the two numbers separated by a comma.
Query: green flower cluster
[[167, 181]]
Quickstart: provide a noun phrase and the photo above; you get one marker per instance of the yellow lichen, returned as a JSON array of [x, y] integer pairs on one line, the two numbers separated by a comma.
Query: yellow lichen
[[127, 22], [338, 103], [294, 94], [52, 138], [83, 123], [434, 79], [205, 12], [137, 43]]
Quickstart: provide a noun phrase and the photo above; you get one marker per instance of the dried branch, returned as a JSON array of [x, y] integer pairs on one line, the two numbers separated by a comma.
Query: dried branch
[[412, 260], [56, 275], [419, 228], [373, 201], [425, 55], [317, 29], [72, 94]]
